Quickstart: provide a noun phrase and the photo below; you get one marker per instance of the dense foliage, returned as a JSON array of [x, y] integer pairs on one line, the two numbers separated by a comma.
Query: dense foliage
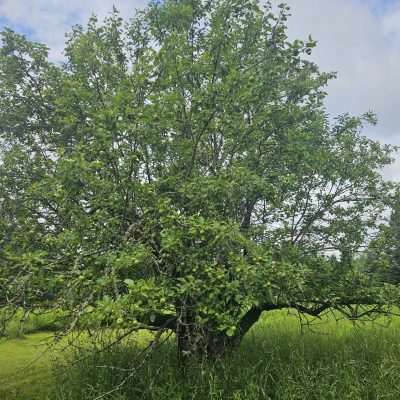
[[180, 172], [382, 256]]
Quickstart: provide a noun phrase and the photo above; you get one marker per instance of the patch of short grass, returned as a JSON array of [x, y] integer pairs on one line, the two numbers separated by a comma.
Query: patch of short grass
[[19, 378]]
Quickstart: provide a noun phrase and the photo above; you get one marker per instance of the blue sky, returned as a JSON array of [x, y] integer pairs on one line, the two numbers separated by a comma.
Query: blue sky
[[380, 6], [360, 39], [22, 28]]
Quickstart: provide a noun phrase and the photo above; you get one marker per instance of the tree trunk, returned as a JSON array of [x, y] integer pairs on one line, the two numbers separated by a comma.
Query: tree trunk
[[219, 344], [185, 333], [204, 343], [207, 342], [184, 345]]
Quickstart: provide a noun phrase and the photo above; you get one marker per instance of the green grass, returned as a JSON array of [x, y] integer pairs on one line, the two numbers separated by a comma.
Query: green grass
[[19, 380], [276, 361]]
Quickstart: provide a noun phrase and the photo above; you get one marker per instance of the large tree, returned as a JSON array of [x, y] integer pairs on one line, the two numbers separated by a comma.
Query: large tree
[[181, 172]]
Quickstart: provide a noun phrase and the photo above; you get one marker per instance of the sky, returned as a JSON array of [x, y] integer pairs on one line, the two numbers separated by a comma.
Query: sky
[[359, 39]]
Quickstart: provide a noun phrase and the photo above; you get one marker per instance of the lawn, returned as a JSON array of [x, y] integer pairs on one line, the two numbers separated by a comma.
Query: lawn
[[24, 368]]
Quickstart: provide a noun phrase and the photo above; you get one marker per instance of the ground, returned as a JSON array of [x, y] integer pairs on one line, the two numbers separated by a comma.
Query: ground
[[24, 368], [278, 360]]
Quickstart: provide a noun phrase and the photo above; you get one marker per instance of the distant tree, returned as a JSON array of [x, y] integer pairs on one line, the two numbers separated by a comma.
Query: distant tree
[[393, 249], [383, 253], [181, 173]]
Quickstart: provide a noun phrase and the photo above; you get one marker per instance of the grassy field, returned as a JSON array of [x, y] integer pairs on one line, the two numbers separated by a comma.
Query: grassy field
[[19, 379], [333, 360]]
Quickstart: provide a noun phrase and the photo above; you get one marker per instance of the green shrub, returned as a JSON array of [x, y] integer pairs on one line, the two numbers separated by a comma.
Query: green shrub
[[21, 324]]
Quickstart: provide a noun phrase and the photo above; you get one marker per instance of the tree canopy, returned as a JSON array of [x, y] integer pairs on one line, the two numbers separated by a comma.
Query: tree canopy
[[180, 171]]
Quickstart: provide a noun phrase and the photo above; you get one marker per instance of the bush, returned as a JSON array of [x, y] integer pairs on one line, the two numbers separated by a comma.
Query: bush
[[21, 325]]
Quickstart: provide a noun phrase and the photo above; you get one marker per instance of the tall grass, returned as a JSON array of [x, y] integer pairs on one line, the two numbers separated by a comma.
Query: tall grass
[[275, 361]]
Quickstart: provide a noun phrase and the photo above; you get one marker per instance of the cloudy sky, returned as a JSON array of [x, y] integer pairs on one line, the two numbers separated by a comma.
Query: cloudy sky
[[360, 39]]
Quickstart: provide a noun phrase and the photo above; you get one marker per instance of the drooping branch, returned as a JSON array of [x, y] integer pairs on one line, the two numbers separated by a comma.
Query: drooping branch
[[315, 310]]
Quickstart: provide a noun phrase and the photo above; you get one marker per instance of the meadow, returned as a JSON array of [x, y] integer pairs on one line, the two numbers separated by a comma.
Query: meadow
[[278, 360]]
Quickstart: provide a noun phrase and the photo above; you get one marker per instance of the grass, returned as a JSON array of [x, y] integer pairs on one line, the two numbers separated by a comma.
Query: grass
[[16, 382], [276, 361]]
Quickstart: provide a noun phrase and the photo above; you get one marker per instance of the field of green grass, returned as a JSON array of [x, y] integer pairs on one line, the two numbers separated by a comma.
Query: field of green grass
[[332, 360], [24, 369]]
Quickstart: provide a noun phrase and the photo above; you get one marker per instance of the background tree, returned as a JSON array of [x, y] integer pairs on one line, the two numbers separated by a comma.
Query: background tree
[[393, 241], [382, 256], [180, 172]]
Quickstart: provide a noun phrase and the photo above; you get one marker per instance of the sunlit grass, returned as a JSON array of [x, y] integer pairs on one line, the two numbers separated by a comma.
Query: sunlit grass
[[24, 367]]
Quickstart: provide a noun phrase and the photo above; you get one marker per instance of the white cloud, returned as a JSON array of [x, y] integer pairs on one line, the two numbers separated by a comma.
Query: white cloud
[[391, 25], [49, 20], [363, 46]]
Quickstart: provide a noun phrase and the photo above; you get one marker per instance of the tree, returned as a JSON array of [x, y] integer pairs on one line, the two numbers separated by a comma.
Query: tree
[[383, 252], [181, 172], [393, 237]]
